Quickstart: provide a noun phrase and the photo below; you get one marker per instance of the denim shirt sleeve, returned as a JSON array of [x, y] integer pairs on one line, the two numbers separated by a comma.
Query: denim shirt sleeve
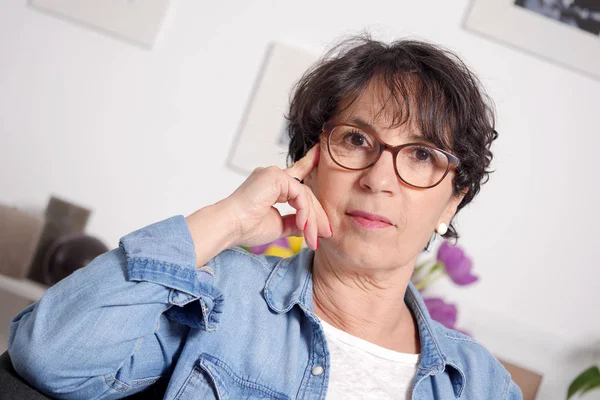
[[108, 330], [514, 391]]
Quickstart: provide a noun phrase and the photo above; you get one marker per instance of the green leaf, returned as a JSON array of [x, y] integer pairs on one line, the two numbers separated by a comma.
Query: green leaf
[[591, 385], [587, 380], [437, 266]]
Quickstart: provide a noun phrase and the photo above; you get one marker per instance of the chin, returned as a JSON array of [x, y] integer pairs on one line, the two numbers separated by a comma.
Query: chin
[[355, 251], [369, 252]]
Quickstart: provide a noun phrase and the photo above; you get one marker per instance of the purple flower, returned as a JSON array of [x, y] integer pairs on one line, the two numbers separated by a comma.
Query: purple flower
[[442, 312], [458, 265]]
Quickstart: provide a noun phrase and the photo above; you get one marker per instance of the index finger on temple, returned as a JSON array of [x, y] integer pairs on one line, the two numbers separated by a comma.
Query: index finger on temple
[[301, 168]]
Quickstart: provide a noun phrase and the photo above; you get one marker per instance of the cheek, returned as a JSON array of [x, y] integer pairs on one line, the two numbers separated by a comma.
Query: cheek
[[331, 193], [424, 209], [331, 187]]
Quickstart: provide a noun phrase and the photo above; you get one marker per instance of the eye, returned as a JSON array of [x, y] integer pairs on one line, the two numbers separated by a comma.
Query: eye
[[356, 138], [423, 154]]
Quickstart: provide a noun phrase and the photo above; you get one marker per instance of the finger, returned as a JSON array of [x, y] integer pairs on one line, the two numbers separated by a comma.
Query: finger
[[311, 231], [289, 226], [323, 224], [303, 167], [295, 194]]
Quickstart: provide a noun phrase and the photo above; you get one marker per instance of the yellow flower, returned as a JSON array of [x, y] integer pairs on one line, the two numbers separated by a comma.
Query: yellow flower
[[296, 243], [278, 251]]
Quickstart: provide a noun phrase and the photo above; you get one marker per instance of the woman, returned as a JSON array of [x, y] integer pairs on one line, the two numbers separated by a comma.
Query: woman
[[388, 143]]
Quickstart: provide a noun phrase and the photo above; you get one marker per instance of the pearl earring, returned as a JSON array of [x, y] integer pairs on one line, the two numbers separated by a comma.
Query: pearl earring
[[442, 228]]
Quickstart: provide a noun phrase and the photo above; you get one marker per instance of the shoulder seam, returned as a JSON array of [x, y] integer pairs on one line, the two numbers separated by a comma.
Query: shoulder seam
[[507, 374], [507, 386], [261, 260], [464, 340]]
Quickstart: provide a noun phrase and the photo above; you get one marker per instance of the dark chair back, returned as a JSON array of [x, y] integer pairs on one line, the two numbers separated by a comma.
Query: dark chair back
[[14, 387]]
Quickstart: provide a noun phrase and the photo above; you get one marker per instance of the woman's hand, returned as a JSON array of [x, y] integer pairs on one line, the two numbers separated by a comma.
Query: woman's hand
[[247, 217], [258, 222]]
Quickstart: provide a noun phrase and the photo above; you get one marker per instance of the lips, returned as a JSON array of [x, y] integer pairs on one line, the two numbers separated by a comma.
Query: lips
[[370, 220]]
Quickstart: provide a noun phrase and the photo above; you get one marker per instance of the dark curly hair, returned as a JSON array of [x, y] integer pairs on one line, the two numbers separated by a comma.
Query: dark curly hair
[[422, 80]]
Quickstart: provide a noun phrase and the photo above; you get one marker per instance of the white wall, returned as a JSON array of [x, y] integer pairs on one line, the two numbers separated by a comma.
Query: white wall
[[141, 135]]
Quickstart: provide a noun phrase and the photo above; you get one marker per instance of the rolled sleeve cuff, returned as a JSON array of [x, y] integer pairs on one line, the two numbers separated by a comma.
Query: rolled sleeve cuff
[[163, 253]]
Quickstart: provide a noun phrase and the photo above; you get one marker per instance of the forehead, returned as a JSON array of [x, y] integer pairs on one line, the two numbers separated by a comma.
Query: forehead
[[377, 107]]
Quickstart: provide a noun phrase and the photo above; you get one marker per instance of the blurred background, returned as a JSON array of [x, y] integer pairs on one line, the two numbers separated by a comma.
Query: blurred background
[[138, 133]]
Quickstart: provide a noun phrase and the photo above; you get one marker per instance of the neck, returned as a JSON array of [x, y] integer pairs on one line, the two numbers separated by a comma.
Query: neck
[[365, 303]]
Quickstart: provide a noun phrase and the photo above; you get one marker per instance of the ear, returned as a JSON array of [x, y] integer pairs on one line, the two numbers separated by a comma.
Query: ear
[[451, 207]]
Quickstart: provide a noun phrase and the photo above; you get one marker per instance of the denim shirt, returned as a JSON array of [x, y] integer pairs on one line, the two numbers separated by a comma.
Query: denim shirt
[[241, 327]]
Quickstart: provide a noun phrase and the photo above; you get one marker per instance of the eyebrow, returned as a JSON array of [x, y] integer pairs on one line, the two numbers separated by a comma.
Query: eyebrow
[[361, 123]]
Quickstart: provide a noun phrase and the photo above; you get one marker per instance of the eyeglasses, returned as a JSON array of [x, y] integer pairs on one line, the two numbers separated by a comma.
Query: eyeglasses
[[417, 164]]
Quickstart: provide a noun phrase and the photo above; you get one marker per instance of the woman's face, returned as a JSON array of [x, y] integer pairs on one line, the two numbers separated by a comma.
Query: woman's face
[[346, 196]]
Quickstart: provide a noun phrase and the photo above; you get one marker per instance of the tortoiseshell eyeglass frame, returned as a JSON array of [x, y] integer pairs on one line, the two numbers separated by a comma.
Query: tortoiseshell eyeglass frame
[[453, 161]]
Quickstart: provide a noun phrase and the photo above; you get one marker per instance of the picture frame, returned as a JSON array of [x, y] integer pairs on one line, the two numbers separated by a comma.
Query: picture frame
[[262, 137], [550, 29], [138, 22]]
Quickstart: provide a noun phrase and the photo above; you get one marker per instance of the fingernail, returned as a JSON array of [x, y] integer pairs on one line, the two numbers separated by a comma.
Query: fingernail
[[331, 230], [306, 223], [317, 246]]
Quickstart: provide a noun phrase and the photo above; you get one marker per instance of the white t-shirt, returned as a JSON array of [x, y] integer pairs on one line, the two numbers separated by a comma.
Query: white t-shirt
[[363, 370]]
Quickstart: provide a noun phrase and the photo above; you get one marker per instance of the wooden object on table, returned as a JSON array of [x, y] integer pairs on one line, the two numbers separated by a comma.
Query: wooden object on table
[[19, 236], [529, 381]]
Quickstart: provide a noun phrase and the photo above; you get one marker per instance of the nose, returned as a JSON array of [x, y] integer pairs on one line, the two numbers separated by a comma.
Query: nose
[[381, 177]]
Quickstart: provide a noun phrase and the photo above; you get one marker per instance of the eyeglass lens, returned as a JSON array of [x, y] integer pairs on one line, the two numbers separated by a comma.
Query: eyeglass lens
[[418, 165]]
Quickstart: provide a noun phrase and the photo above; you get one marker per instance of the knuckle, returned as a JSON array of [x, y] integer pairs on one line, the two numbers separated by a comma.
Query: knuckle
[[310, 193], [272, 169]]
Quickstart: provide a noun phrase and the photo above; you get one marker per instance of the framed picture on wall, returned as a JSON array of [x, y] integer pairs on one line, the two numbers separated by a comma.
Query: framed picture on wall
[[262, 139], [136, 21], [566, 32]]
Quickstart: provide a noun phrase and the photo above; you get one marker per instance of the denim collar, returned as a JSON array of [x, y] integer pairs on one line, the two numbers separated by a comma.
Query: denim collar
[[290, 284]]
